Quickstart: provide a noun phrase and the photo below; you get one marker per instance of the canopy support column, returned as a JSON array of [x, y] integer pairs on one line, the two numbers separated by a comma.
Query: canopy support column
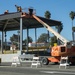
[[21, 34], [2, 40], [48, 36], [35, 37], [27, 38], [5, 40]]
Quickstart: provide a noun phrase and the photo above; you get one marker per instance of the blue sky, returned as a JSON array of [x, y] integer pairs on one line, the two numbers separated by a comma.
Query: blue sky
[[59, 10]]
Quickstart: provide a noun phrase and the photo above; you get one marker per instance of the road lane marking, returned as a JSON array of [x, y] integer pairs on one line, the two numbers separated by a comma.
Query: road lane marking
[[57, 72]]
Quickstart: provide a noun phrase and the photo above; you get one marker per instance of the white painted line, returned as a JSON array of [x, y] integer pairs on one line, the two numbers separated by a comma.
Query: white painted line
[[57, 72]]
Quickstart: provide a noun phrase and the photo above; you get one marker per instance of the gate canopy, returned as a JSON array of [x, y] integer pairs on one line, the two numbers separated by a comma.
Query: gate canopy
[[11, 21]]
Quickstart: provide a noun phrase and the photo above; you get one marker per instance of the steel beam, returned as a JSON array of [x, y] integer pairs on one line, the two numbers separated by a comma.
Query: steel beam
[[5, 24], [9, 16]]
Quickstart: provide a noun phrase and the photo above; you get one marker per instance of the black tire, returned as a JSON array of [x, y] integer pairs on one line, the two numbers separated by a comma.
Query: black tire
[[45, 61], [72, 63], [56, 63]]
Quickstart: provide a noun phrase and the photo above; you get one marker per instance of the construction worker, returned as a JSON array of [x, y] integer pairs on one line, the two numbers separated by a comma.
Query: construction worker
[[19, 9], [6, 12]]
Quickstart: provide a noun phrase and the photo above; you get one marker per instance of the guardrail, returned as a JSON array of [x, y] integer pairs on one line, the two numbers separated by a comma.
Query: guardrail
[[26, 57]]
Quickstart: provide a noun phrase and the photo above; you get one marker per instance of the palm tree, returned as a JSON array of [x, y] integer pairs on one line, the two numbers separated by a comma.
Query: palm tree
[[72, 15], [48, 16], [59, 28]]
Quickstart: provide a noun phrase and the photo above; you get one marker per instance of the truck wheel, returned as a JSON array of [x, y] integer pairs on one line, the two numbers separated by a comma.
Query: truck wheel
[[56, 62], [45, 61], [72, 63]]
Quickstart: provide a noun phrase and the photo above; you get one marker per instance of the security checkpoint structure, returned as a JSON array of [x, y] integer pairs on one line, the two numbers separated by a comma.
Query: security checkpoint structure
[[21, 20]]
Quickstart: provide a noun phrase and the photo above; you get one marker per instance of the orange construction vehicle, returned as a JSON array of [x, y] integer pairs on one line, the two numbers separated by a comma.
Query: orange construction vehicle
[[66, 49]]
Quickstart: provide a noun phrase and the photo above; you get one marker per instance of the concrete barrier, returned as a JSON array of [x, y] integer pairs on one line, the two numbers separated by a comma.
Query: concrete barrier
[[8, 57]]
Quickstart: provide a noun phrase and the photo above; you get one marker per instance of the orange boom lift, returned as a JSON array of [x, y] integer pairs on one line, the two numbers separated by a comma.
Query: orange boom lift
[[66, 49]]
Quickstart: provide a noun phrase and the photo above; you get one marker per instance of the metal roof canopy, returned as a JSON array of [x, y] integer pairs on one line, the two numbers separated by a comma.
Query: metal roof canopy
[[22, 20], [11, 21]]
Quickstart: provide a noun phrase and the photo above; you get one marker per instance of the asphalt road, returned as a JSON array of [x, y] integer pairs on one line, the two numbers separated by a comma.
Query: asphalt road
[[25, 69], [30, 71]]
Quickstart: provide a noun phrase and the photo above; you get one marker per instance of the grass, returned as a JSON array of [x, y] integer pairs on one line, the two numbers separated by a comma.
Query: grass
[[8, 52]]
